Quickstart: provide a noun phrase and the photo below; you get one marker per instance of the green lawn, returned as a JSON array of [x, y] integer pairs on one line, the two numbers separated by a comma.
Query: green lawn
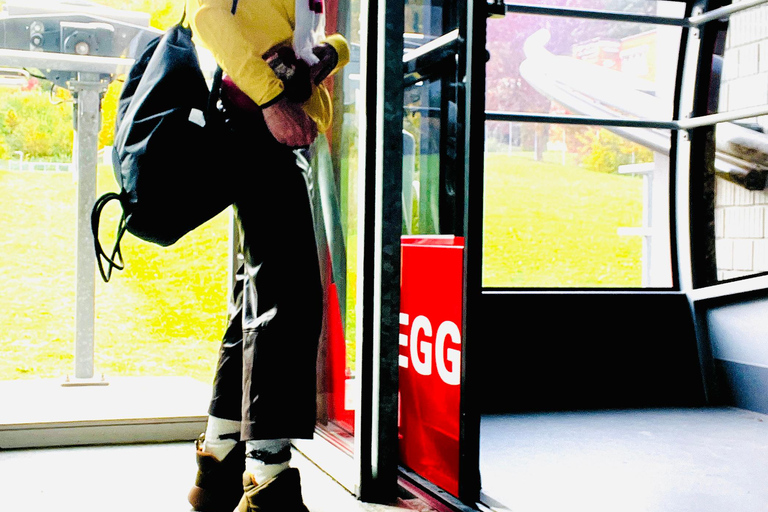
[[162, 315], [546, 225]]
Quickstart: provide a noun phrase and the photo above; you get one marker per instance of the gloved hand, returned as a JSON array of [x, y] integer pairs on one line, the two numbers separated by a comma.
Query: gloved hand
[[293, 72], [297, 76], [289, 124], [328, 60]]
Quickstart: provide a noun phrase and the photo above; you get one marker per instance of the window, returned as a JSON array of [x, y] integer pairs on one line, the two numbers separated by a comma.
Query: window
[[579, 202], [165, 313]]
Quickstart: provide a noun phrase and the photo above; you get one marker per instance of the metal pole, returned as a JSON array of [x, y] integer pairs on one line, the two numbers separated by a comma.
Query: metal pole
[[87, 89], [723, 12], [722, 117], [379, 233], [527, 117], [544, 10]]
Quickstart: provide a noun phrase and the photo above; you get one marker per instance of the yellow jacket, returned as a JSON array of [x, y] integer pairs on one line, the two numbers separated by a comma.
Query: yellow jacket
[[239, 42]]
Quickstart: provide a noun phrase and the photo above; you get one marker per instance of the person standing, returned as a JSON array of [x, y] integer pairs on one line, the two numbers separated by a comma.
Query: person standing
[[275, 57]]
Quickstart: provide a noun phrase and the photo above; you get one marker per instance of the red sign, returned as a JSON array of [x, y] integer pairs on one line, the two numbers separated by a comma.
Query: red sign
[[430, 357]]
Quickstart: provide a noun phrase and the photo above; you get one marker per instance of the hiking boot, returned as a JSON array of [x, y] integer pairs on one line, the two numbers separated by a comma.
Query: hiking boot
[[280, 494], [219, 483]]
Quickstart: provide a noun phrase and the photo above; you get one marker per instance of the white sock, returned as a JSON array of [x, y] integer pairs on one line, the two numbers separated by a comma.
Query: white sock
[[263, 458], [263, 472], [219, 436]]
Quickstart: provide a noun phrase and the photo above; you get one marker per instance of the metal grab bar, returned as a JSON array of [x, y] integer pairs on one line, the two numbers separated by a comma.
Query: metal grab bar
[[690, 22], [723, 12], [581, 120], [596, 15], [683, 124]]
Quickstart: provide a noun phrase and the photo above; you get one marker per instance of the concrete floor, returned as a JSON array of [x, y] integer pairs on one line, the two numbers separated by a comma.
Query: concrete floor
[[139, 478], [43, 467], [677, 460]]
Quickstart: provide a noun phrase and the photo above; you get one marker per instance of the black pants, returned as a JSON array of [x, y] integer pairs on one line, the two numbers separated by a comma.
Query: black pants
[[266, 373]]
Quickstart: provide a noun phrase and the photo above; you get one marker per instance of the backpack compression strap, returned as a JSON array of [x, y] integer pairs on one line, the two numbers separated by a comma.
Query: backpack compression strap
[[115, 261]]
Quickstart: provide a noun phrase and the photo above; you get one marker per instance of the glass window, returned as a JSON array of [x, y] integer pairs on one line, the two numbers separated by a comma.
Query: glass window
[[165, 313], [571, 205], [338, 173], [430, 202], [427, 19], [579, 216]]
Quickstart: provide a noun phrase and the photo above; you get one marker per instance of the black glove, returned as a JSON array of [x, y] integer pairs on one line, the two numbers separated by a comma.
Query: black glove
[[328, 61], [294, 74]]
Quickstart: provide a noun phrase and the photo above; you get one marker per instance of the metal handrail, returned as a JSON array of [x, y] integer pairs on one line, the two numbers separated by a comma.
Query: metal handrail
[[721, 117], [444, 41], [682, 124], [723, 12], [595, 15], [581, 120], [690, 22]]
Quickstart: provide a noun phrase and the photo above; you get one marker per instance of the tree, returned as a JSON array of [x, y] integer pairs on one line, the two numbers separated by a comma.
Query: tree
[[37, 123], [109, 113], [41, 128], [604, 151], [506, 90]]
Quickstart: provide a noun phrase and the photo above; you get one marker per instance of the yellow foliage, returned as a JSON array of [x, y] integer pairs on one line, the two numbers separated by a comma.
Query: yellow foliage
[[166, 14], [62, 94], [604, 151], [109, 113], [37, 143], [163, 13], [11, 119]]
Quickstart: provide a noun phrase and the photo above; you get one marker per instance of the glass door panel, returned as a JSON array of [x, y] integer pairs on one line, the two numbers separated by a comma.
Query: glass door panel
[[336, 162], [432, 252]]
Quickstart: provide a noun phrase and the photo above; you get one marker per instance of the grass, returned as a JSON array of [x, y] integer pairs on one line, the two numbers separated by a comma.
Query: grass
[[163, 315], [546, 225]]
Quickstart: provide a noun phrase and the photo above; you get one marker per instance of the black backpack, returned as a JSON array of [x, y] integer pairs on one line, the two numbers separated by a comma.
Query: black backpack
[[169, 149]]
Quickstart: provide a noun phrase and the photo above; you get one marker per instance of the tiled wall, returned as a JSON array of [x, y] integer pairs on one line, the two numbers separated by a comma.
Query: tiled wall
[[745, 65], [740, 230], [740, 215]]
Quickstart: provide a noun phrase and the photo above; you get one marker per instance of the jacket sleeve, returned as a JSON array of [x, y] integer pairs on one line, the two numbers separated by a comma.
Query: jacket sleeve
[[239, 42], [341, 46]]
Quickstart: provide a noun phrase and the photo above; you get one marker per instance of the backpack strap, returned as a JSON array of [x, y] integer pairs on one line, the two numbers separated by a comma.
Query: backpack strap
[[213, 97], [115, 261]]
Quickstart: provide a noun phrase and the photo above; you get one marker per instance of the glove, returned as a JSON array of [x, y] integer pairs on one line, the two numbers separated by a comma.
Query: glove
[[328, 60], [294, 74], [297, 76]]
